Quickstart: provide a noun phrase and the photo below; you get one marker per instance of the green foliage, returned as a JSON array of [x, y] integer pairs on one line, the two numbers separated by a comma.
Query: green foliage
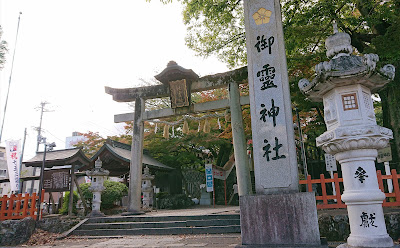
[[181, 151], [166, 201], [87, 194], [114, 191], [65, 205]]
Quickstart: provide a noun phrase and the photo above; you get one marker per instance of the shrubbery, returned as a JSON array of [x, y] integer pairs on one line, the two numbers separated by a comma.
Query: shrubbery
[[166, 201], [114, 191], [65, 205]]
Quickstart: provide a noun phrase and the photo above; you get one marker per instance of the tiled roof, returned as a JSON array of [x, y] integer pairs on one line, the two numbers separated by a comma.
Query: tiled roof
[[59, 157]]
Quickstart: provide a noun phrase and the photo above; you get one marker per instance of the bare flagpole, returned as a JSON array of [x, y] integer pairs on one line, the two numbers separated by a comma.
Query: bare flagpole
[[9, 80]]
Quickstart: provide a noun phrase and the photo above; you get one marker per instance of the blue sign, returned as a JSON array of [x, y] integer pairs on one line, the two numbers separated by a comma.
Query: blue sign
[[209, 178]]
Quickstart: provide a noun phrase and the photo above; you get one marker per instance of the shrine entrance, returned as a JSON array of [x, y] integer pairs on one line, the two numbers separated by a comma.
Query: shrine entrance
[[178, 83]]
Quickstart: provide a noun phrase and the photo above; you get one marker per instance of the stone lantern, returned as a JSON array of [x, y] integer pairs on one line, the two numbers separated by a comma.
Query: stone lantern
[[147, 188], [344, 85], [98, 174]]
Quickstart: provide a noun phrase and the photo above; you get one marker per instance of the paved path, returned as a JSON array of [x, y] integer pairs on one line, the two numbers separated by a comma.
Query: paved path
[[207, 240]]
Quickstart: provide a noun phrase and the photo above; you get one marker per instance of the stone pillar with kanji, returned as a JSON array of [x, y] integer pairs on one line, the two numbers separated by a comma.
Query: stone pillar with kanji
[[278, 215], [98, 175], [344, 85]]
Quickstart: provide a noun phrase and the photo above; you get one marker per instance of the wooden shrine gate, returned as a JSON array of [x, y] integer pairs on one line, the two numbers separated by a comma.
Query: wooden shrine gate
[[179, 83]]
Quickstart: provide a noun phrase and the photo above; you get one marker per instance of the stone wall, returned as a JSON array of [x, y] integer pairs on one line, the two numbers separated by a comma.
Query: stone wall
[[57, 224], [15, 232], [335, 227]]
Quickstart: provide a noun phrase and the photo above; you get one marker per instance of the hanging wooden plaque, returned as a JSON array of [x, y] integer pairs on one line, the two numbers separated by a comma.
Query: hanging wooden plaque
[[179, 94]]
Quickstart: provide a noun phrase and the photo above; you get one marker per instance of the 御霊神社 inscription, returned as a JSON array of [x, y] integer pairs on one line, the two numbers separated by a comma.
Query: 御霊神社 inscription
[[273, 141]]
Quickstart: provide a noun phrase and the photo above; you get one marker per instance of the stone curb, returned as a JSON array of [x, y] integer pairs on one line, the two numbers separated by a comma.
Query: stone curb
[[67, 233]]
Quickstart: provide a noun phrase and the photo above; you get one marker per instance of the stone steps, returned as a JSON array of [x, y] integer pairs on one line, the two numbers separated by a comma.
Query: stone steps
[[160, 225]]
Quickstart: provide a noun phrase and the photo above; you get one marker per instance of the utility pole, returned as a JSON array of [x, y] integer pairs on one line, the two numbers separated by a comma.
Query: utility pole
[[39, 129], [39, 137]]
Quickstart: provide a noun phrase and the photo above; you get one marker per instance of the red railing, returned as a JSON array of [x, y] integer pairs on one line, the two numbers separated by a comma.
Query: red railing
[[19, 206], [392, 199]]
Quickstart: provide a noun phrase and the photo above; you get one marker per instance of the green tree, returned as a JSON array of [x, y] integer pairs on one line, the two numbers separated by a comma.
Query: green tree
[[114, 191], [65, 205], [3, 50]]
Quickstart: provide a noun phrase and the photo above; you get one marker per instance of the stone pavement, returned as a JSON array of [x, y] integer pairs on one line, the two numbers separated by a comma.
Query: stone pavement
[[206, 240], [203, 240], [196, 210]]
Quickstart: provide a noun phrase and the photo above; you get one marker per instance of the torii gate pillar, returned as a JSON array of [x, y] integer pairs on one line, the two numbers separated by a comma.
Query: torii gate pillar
[[135, 171]]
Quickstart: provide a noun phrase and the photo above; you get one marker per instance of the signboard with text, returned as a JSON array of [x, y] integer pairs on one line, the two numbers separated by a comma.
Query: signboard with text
[[330, 162], [275, 163], [56, 180], [384, 155], [209, 178]]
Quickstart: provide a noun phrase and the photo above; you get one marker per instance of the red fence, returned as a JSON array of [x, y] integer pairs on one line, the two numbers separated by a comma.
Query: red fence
[[335, 201], [19, 206]]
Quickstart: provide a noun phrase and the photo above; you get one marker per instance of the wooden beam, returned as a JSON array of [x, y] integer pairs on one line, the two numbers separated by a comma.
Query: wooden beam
[[81, 195], [168, 112], [71, 192], [156, 91]]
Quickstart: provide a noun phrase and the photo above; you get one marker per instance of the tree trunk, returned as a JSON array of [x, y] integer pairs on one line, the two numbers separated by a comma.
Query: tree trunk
[[390, 97]]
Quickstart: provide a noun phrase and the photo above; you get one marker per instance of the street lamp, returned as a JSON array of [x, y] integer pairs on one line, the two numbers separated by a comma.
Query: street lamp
[[47, 147]]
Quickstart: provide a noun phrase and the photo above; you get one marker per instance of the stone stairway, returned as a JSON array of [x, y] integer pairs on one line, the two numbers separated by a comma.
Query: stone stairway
[[159, 225]]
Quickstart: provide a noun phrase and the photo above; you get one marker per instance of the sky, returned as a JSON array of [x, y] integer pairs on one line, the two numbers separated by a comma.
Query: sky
[[68, 50]]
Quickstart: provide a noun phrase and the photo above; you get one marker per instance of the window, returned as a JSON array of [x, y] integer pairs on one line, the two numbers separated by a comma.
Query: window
[[349, 101], [3, 173]]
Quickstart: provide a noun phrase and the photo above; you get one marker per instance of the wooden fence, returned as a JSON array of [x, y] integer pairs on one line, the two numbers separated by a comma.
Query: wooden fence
[[325, 201], [19, 206]]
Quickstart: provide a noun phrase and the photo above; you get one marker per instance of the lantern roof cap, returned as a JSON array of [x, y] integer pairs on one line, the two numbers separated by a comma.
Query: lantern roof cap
[[338, 44], [345, 69], [174, 72]]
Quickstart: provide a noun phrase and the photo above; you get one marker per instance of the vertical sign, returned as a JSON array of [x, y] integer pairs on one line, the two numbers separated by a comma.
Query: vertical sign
[[13, 151], [275, 163], [330, 162], [209, 178]]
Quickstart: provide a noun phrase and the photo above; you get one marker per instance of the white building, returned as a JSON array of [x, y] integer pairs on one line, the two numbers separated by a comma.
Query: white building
[[74, 139], [5, 188]]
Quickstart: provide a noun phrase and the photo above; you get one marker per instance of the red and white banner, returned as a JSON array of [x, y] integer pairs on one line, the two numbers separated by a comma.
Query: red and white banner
[[13, 152]]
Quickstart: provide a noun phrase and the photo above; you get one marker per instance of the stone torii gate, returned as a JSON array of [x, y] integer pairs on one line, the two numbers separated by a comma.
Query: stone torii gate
[[178, 83]]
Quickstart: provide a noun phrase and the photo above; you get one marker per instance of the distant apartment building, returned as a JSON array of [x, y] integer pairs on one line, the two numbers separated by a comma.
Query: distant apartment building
[[74, 139], [5, 188]]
